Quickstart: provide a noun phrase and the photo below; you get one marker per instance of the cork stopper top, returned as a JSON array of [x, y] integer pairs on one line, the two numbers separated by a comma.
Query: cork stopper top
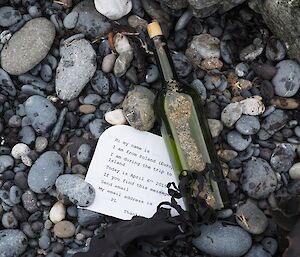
[[154, 29]]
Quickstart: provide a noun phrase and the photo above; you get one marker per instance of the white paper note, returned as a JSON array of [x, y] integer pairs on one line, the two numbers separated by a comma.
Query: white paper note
[[130, 171]]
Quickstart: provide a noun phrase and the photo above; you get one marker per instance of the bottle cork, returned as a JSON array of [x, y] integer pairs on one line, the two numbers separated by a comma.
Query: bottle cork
[[154, 29]]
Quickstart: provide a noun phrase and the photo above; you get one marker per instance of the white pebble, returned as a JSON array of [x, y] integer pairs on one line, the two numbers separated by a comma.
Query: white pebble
[[26, 160], [41, 144], [20, 150], [253, 106], [113, 9], [108, 62], [295, 171], [57, 212], [115, 117]]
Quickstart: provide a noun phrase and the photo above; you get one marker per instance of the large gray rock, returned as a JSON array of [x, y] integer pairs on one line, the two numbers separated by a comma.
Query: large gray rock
[[28, 46], [13, 242], [90, 21], [41, 113], [283, 18], [44, 172], [223, 240], [75, 69]]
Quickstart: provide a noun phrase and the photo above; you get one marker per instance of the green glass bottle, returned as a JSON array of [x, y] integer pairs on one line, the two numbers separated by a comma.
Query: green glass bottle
[[184, 126]]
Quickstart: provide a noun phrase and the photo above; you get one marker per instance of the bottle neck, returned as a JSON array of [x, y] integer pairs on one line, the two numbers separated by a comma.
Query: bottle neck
[[164, 61]]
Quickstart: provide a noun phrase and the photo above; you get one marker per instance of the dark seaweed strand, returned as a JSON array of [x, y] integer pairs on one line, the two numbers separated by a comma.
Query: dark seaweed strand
[[162, 230]]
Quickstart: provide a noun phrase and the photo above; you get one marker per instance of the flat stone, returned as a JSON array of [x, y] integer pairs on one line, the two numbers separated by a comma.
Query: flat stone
[[258, 172], [75, 69], [28, 46], [41, 112], [44, 172], [13, 242], [64, 229], [90, 21], [223, 240], [75, 189], [251, 218]]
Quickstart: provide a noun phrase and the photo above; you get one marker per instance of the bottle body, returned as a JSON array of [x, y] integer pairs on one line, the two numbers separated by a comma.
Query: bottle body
[[188, 140], [184, 126]]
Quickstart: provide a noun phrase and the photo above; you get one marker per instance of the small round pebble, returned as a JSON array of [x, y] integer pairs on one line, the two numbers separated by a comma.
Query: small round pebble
[[20, 150], [247, 125], [64, 229], [84, 153], [6, 162], [108, 62], [115, 117], [70, 20], [270, 244], [238, 141], [9, 220], [57, 212], [41, 144]]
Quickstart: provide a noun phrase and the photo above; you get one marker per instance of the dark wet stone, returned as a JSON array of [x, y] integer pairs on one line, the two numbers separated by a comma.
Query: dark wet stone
[[44, 172], [6, 83], [41, 112], [181, 63], [87, 217], [90, 21], [29, 201]]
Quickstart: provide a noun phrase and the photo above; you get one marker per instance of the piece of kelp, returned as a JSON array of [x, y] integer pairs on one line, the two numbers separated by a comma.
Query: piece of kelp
[[162, 230]]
